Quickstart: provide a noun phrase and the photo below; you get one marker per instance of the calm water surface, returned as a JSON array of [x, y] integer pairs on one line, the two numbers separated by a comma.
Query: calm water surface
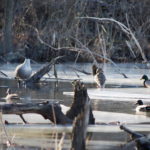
[[112, 104]]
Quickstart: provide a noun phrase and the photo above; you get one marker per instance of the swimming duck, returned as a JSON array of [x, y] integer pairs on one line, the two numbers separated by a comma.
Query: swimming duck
[[142, 107], [11, 98], [146, 81], [99, 76], [24, 70]]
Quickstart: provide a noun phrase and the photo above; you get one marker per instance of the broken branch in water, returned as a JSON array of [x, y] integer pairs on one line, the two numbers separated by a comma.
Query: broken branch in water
[[52, 110], [45, 109], [142, 141], [4, 74], [41, 72]]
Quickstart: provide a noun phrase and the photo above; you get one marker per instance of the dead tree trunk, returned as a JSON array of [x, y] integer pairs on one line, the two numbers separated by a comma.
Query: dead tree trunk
[[142, 141], [80, 96], [80, 127], [48, 110]]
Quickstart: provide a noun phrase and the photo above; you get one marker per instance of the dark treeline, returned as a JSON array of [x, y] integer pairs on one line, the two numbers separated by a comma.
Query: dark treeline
[[45, 29]]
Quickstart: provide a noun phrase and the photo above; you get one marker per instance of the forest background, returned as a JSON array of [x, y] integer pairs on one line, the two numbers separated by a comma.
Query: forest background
[[42, 30]]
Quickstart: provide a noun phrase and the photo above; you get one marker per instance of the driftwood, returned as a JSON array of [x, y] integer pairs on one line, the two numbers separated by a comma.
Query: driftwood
[[41, 72], [142, 141], [80, 127], [80, 96], [49, 110], [52, 111]]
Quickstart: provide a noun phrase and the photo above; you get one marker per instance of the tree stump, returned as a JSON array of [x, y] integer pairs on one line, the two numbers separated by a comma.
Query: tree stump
[[81, 122], [80, 96]]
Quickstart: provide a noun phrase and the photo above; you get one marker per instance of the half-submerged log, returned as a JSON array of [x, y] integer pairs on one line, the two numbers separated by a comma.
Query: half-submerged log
[[49, 110], [41, 72], [142, 141], [81, 122], [80, 97]]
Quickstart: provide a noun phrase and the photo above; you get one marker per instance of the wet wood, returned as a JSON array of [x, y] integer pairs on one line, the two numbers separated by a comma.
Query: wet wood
[[49, 110], [41, 72], [142, 141], [80, 97], [80, 125]]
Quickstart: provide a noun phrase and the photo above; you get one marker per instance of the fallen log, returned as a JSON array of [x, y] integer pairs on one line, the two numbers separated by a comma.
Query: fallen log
[[80, 96], [142, 141], [49, 110]]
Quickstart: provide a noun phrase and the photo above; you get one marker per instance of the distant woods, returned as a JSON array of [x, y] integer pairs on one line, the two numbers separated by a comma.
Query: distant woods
[[42, 30]]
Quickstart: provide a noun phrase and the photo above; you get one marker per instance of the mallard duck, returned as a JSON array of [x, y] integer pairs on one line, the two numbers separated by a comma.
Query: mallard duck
[[142, 107], [146, 81], [11, 98], [99, 76], [24, 70]]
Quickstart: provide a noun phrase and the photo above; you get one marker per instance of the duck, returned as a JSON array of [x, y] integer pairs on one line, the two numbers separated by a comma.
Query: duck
[[146, 82], [24, 70], [142, 107], [11, 98], [99, 76]]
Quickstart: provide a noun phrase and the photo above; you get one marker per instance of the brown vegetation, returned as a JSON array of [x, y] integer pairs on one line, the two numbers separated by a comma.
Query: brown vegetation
[[45, 29]]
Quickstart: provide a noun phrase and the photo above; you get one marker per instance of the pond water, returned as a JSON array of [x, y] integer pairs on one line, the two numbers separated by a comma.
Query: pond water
[[114, 103]]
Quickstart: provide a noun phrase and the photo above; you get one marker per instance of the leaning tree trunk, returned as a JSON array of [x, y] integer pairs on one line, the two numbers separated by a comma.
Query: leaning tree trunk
[[9, 11]]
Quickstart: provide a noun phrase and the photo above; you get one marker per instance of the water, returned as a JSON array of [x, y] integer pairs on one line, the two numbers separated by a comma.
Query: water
[[115, 103]]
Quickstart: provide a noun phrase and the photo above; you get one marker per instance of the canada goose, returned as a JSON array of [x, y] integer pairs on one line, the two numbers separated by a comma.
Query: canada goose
[[99, 76], [142, 107], [24, 70], [146, 82]]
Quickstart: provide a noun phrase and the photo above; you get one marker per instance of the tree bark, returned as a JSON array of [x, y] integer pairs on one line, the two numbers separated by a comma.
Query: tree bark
[[80, 96], [80, 124], [48, 110], [142, 141]]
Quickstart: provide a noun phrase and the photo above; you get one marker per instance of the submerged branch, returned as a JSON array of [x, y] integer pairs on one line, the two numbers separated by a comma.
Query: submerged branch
[[142, 141]]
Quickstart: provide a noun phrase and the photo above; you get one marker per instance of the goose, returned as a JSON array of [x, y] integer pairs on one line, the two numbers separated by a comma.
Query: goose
[[99, 76], [146, 82], [12, 99], [24, 70], [142, 107]]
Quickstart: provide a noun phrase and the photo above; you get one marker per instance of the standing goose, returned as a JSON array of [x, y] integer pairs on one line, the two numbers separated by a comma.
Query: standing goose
[[146, 82], [142, 107], [13, 98], [99, 76], [24, 70]]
